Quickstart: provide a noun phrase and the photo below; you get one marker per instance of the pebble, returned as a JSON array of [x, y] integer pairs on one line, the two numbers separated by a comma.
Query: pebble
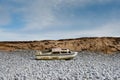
[[21, 65]]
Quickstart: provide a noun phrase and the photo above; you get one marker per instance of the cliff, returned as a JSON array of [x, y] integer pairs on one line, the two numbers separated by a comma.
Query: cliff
[[94, 44]]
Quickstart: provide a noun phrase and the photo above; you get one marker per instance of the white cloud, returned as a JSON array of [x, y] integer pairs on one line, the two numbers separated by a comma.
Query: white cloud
[[7, 35], [107, 30], [20, 36], [39, 14], [5, 18]]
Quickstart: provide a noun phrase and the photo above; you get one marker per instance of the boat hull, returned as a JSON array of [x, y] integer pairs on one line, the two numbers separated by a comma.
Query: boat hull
[[55, 56]]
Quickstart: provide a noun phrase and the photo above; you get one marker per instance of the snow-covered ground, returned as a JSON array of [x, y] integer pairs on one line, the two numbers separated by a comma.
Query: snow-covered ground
[[86, 66]]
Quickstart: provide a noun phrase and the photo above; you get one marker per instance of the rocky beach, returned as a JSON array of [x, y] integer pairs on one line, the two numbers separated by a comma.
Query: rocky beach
[[21, 65], [98, 59]]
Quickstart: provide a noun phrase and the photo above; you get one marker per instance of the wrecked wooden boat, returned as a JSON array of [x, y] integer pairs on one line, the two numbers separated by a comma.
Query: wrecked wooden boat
[[65, 56], [55, 54]]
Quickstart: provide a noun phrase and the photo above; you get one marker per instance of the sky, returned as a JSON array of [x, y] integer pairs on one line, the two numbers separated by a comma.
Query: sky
[[58, 19]]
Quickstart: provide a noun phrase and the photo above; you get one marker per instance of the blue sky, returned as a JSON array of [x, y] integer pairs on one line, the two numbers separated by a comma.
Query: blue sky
[[58, 19]]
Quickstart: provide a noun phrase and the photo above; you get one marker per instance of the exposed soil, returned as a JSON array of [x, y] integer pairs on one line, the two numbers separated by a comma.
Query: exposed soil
[[94, 44]]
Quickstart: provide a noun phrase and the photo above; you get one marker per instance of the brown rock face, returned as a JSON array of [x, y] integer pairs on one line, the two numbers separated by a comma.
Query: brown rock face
[[94, 44]]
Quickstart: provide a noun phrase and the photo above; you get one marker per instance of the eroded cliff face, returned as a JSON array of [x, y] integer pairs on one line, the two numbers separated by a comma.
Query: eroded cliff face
[[104, 44]]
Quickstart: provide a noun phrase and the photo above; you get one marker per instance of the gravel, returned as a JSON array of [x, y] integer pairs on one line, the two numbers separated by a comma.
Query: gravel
[[21, 65]]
